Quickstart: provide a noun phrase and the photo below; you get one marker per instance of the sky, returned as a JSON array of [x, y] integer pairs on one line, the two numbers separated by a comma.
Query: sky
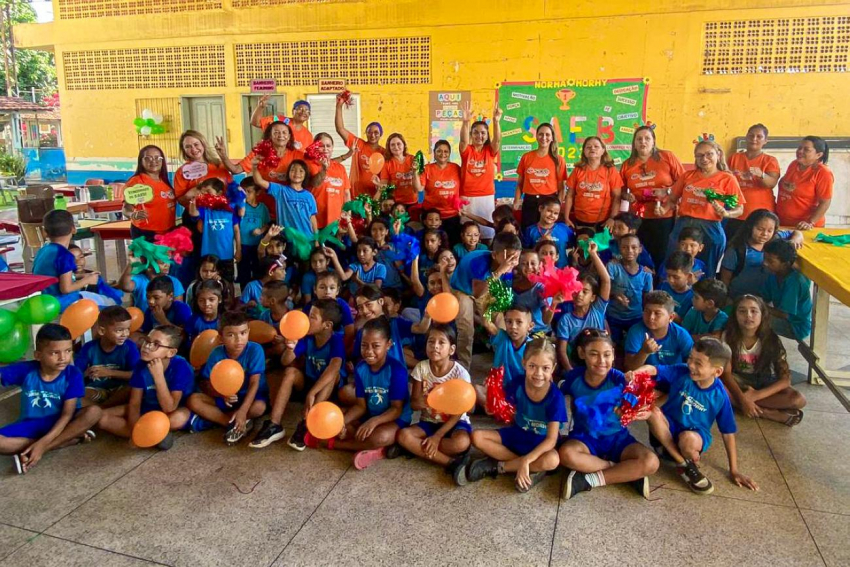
[[43, 9]]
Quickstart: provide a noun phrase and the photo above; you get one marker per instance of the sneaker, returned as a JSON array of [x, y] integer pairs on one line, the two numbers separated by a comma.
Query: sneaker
[[269, 433], [232, 436], [482, 468], [166, 443], [641, 486], [198, 424], [576, 482], [457, 468], [363, 459], [694, 478], [394, 451], [19, 466], [536, 477], [296, 441]]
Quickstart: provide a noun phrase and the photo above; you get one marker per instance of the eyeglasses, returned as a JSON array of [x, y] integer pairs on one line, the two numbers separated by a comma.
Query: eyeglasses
[[154, 159], [152, 345]]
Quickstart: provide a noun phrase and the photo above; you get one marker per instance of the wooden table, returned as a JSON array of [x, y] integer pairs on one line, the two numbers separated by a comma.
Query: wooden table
[[119, 231], [828, 267]]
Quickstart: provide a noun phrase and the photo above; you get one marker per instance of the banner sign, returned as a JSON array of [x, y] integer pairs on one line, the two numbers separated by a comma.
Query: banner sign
[[263, 85], [444, 112]]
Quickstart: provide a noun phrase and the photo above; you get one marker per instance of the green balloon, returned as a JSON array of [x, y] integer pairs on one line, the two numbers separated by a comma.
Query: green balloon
[[150, 122], [139, 122], [39, 310], [7, 321], [157, 129], [14, 344]]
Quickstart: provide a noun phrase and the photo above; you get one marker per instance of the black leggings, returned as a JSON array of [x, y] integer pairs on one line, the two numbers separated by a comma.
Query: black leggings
[[530, 210], [654, 235]]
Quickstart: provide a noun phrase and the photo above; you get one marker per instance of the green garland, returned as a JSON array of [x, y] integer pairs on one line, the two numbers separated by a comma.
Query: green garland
[[148, 254]]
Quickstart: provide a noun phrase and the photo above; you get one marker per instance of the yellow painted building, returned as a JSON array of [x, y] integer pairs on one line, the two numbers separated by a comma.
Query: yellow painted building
[[715, 65]]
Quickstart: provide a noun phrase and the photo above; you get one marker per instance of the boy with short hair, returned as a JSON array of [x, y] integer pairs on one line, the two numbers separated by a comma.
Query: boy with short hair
[[629, 283], [548, 228], [162, 381], [678, 278], [138, 284], [51, 389], [626, 223], [107, 361], [102, 287], [508, 348], [328, 285], [255, 221], [787, 291], [271, 268], [250, 401], [692, 241], [706, 316], [314, 363], [162, 308], [697, 399], [657, 339], [218, 227]]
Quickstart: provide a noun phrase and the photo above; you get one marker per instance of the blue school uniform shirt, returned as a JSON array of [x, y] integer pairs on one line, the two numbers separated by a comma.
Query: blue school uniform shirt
[[560, 235], [793, 296], [197, 325], [696, 324], [54, 260], [534, 417], [219, 231], [693, 408], [535, 303], [644, 259], [378, 271], [122, 358], [592, 408], [684, 300], [632, 286], [252, 359], [401, 333], [699, 268], [179, 377], [347, 317], [379, 388], [178, 314], [473, 266], [140, 291], [570, 324], [461, 252], [40, 398], [252, 292], [317, 358], [385, 257], [753, 275], [266, 317], [294, 208], [507, 355], [675, 347], [256, 216]]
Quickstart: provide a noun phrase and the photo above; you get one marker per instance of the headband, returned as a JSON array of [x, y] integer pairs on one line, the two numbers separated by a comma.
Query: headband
[[378, 124], [300, 103]]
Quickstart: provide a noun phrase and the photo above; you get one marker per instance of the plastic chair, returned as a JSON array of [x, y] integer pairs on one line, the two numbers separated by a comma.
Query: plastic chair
[[94, 182], [33, 239], [96, 192], [117, 190]]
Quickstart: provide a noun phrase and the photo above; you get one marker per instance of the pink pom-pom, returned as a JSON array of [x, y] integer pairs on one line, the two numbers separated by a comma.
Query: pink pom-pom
[[179, 240], [556, 281], [345, 98], [457, 202]]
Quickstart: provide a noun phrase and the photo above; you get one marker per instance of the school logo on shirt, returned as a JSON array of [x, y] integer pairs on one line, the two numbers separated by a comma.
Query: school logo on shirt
[[318, 363], [376, 395], [166, 194], [334, 182], [42, 399], [450, 184], [594, 187], [476, 167], [536, 426], [788, 187], [689, 404], [538, 172], [218, 224]]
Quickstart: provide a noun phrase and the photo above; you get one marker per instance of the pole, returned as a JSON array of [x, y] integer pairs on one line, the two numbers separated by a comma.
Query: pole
[[3, 45]]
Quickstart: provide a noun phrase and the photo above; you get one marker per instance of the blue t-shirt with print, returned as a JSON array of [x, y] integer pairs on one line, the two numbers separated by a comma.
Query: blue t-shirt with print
[[256, 216], [535, 417], [534, 301], [793, 295], [252, 359], [473, 266], [317, 358], [633, 286], [507, 355], [122, 358], [570, 324], [218, 234], [401, 333], [675, 346], [54, 260], [140, 289], [40, 398], [592, 408], [347, 317], [752, 275], [179, 377], [379, 388], [178, 314], [696, 324], [378, 271], [560, 235], [294, 208], [684, 300]]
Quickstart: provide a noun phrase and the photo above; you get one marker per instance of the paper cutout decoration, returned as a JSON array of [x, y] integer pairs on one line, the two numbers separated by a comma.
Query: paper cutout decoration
[[602, 240], [138, 194], [834, 239]]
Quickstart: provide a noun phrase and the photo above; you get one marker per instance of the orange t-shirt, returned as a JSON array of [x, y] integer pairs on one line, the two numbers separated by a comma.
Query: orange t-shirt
[[400, 174], [303, 137], [161, 210], [799, 192], [331, 194], [692, 202], [652, 180], [478, 171], [361, 175], [593, 192], [758, 196], [440, 185], [276, 175], [190, 174], [539, 174]]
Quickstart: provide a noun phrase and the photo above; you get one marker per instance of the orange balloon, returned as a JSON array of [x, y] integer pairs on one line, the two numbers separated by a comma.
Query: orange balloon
[[325, 420], [80, 317], [202, 346], [452, 397], [261, 332], [151, 429], [227, 377], [376, 163], [294, 325], [443, 307], [137, 317]]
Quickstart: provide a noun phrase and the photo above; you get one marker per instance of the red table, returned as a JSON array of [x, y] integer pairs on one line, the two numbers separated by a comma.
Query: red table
[[106, 206], [17, 286]]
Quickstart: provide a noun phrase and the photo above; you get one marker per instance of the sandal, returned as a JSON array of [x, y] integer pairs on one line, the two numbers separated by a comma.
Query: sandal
[[794, 417]]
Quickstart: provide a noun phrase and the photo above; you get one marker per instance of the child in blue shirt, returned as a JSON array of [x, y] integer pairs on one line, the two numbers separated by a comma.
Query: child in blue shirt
[[706, 316], [433, 241], [600, 450], [319, 263], [294, 203], [529, 446], [382, 403], [162, 308], [101, 287], [625, 223], [788, 291], [548, 228], [697, 399], [162, 381], [208, 271], [235, 412], [219, 233], [365, 270], [328, 286], [691, 241], [509, 346], [470, 240], [254, 224], [107, 361], [656, 339], [629, 283], [274, 299], [314, 365], [138, 284], [271, 268], [678, 278], [529, 294], [205, 313], [51, 389]]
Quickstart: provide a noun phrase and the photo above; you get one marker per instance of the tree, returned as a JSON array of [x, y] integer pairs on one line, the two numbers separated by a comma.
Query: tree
[[27, 68]]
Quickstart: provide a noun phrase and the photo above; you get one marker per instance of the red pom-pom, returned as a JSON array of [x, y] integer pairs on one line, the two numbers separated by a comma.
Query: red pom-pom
[[214, 202], [638, 396], [315, 151], [457, 202], [345, 98], [179, 240], [497, 404], [555, 281], [268, 155]]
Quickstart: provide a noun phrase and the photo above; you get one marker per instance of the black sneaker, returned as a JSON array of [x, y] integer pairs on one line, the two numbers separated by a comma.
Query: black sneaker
[[641, 486], [576, 482], [269, 433], [457, 468], [694, 478], [166, 443], [536, 477], [394, 451], [233, 436], [296, 441], [482, 468]]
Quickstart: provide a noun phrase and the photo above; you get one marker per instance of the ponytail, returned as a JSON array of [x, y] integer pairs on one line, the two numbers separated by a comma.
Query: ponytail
[[820, 146]]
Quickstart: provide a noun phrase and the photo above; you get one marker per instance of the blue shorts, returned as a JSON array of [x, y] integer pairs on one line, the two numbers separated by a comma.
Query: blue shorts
[[519, 441], [430, 428], [608, 448], [34, 428], [676, 430]]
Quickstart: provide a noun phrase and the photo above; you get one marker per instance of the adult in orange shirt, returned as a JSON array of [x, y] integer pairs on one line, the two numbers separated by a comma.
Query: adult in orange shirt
[[593, 188], [360, 174], [298, 121], [540, 172], [805, 191], [399, 171], [441, 183], [648, 174], [696, 210], [757, 174], [330, 185], [478, 165], [158, 215]]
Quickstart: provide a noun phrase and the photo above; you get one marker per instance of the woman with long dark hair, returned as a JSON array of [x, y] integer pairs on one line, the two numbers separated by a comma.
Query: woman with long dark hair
[[540, 172], [157, 216], [805, 191], [478, 152]]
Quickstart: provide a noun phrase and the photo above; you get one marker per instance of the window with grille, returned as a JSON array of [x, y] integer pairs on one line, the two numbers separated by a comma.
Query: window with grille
[[172, 121], [378, 61], [255, 3], [79, 9], [148, 68], [791, 45]]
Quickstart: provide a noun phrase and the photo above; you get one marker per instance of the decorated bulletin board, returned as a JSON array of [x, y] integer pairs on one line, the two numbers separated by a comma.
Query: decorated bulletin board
[[577, 109], [444, 110]]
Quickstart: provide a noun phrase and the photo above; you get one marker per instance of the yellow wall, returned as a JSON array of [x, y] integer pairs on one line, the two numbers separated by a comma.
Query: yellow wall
[[474, 44]]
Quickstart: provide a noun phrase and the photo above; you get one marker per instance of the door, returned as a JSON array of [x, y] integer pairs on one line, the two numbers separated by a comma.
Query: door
[[323, 110], [251, 135], [206, 115]]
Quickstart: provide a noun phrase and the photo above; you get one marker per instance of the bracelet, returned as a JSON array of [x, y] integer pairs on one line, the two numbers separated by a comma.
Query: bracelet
[[264, 244]]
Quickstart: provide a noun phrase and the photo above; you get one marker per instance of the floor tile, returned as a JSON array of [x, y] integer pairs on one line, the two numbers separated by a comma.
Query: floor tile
[[46, 551], [820, 398], [832, 535], [12, 538]]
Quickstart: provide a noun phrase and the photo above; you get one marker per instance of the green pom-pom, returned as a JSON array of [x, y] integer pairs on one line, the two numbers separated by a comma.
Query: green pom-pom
[[386, 193], [419, 162], [302, 244], [501, 298], [356, 207], [729, 201]]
